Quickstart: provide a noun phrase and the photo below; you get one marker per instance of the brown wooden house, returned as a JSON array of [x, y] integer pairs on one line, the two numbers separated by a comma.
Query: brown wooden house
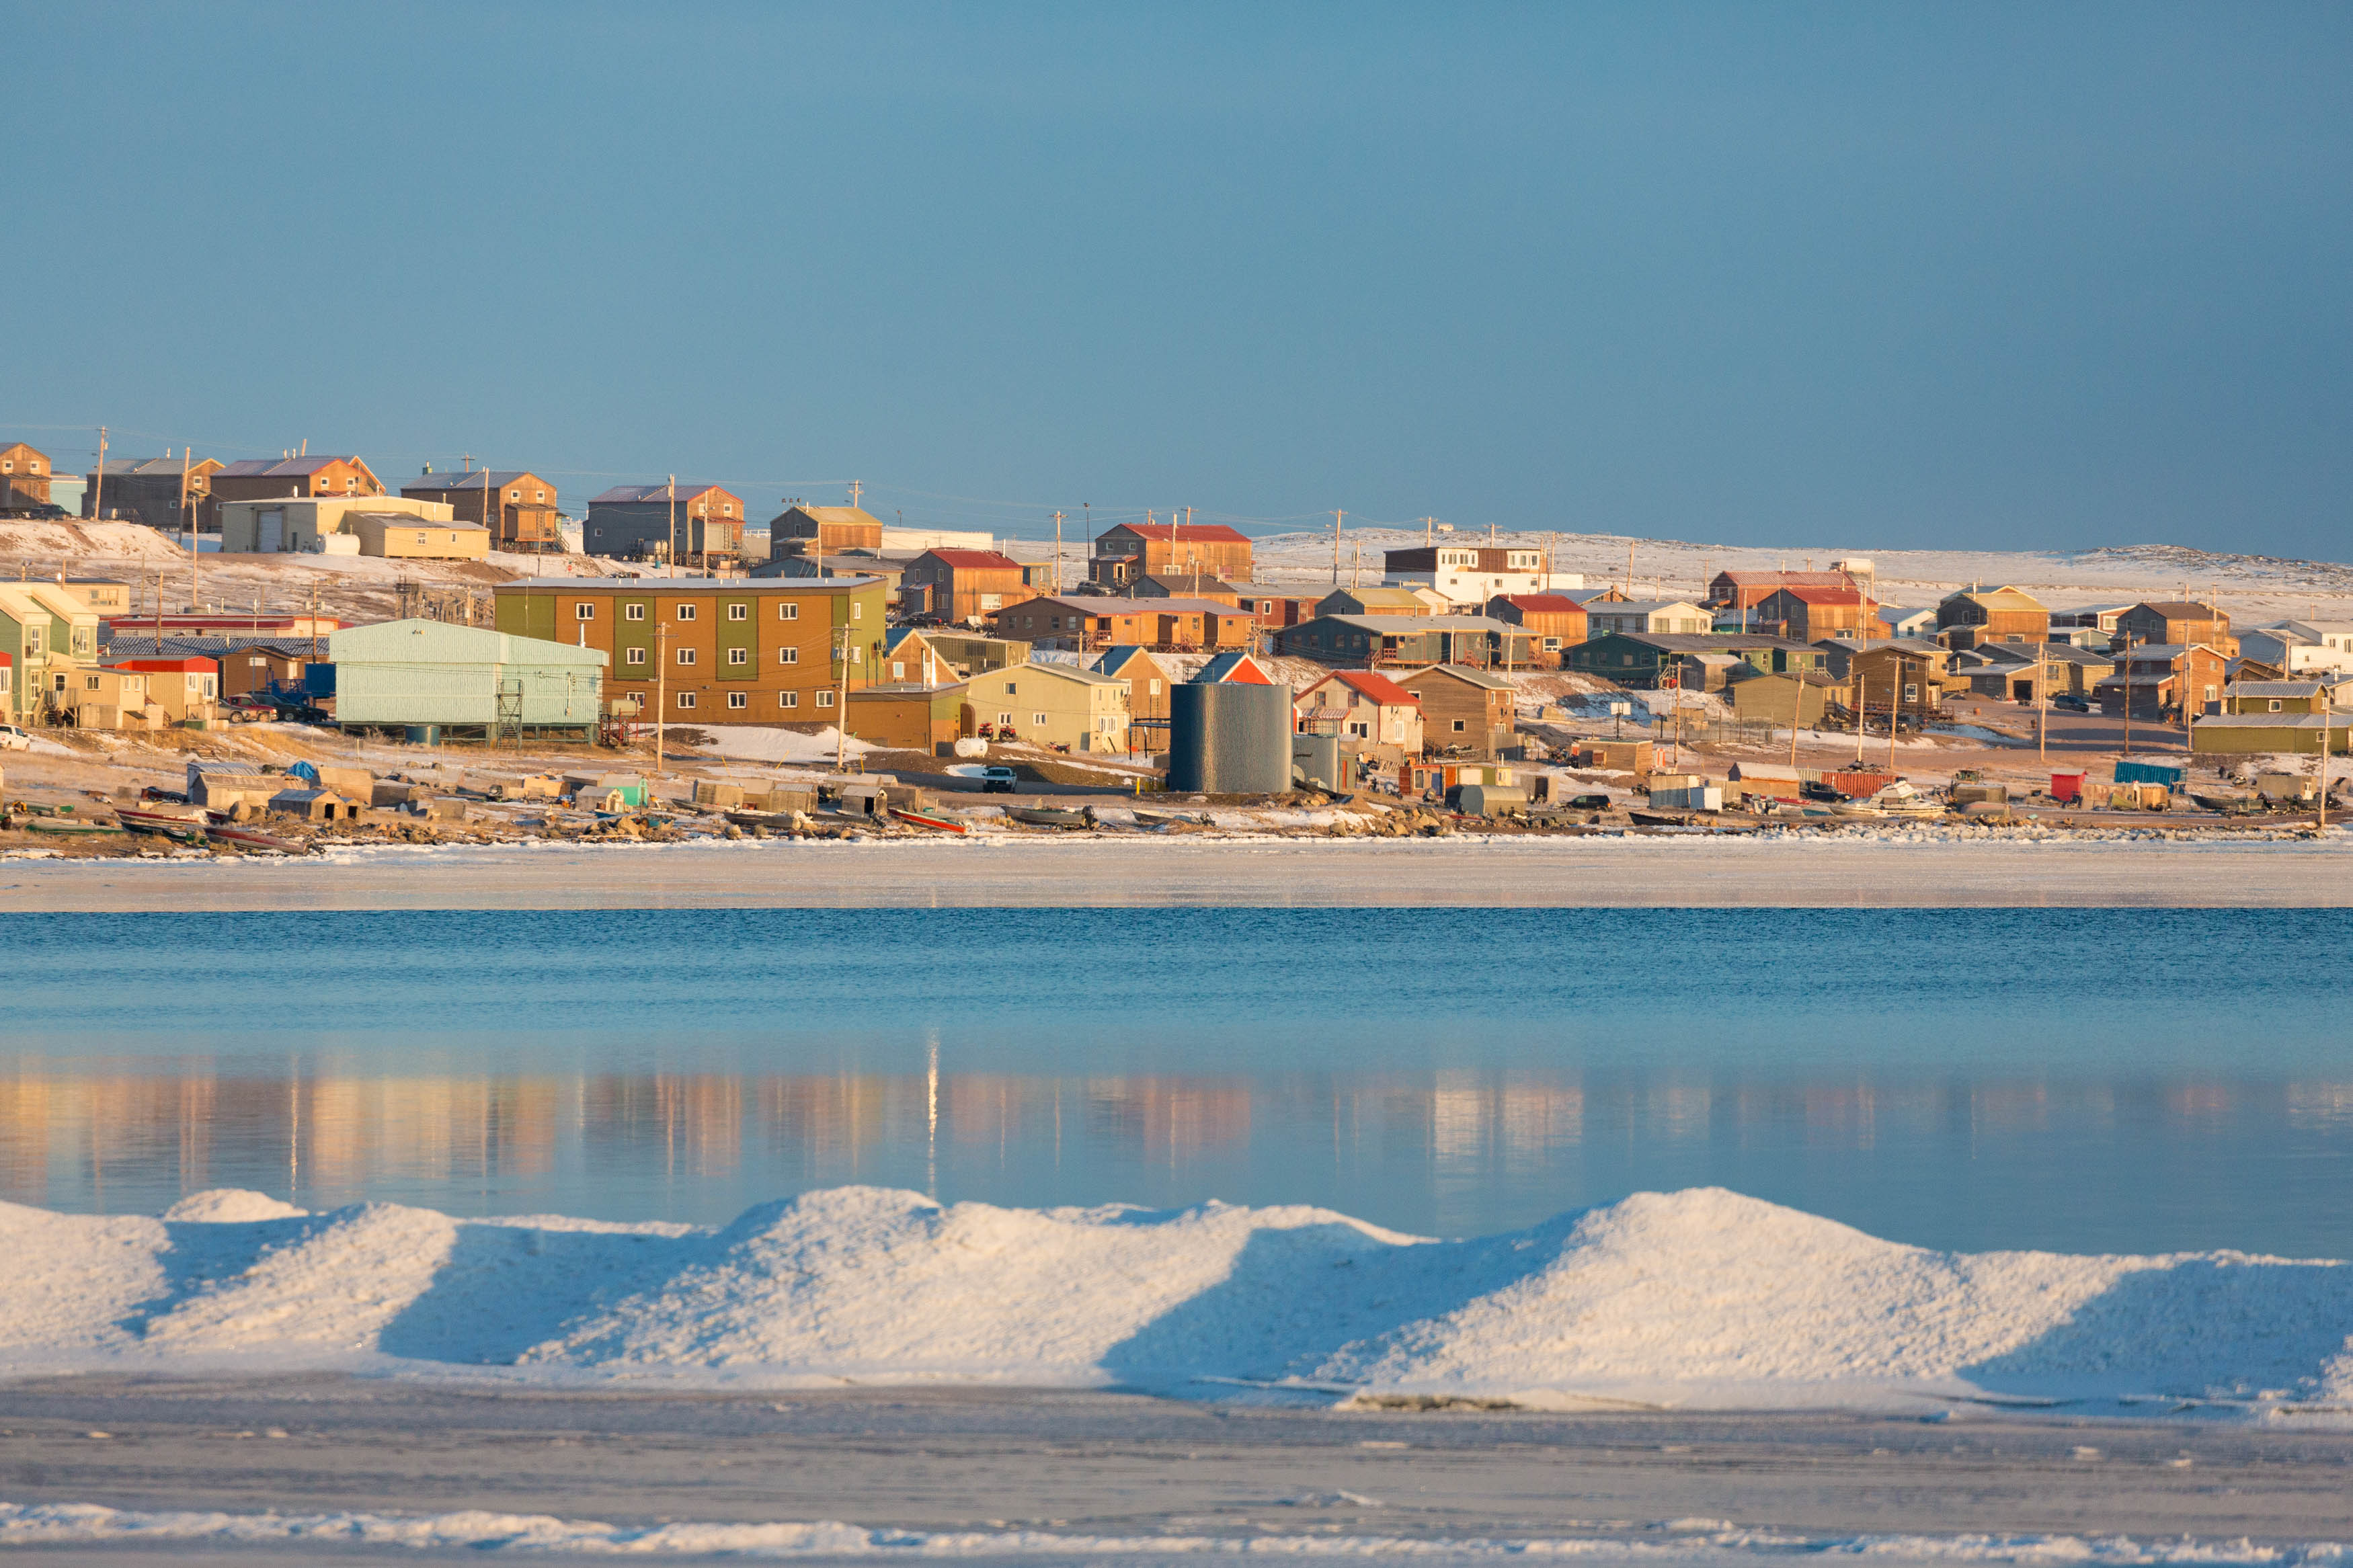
[[1908, 679], [516, 505], [1464, 710], [149, 490], [2164, 681], [1991, 615], [1744, 590], [801, 529], [23, 477], [1556, 622], [266, 479], [961, 586], [1135, 550], [1806, 613], [2182, 621]]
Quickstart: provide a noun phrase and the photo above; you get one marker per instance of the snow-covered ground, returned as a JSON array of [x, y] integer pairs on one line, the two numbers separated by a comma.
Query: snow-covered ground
[[2254, 588], [1695, 1299]]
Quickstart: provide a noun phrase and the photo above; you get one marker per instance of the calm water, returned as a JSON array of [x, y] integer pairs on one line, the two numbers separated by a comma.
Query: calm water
[[2083, 1080]]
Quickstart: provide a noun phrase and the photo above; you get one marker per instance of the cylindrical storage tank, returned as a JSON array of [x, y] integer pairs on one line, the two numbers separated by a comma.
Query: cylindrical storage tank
[[1486, 800], [425, 735], [1317, 762], [1229, 738]]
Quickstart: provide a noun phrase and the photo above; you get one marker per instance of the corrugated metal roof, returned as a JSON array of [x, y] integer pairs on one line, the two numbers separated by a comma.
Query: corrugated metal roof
[[1187, 533], [626, 495]]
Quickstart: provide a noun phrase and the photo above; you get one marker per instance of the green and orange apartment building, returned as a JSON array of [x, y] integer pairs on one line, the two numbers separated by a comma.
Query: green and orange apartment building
[[713, 650]]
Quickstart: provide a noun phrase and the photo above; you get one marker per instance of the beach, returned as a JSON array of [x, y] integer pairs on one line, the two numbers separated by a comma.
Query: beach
[[1890, 869], [1033, 1475]]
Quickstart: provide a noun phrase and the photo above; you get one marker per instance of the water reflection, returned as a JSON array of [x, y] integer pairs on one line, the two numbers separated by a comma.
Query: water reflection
[[2074, 1164]]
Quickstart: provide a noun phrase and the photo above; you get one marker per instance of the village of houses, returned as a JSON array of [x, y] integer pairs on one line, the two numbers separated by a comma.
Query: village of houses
[[463, 661]]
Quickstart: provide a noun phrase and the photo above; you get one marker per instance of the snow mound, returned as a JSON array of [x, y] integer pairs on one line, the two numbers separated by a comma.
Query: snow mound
[[229, 1206], [1701, 1298]]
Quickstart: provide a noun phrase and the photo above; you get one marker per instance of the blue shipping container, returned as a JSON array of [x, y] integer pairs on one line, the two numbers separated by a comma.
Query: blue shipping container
[[2169, 775]]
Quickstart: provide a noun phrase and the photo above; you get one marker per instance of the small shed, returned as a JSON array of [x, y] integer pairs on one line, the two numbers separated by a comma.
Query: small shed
[[313, 806]]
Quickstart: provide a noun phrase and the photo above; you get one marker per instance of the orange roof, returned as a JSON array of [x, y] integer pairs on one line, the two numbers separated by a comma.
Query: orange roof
[[1198, 533], [1543, 604], [1812, 595], [1380, 687]]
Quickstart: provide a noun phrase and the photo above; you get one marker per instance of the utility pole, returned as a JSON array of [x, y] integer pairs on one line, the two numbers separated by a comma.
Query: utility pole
[[486, 502], [1336, 547], [97, 489], [841, 702], [1058, 553], [672, 560], [661, 690], [195, 539], [1629, 568], [855, 489]]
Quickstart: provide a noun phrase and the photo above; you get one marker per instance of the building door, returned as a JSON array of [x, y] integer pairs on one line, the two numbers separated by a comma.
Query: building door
[[273, 533]]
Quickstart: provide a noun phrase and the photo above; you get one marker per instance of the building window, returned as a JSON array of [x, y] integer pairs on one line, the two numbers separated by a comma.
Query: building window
[[1911, 694], [583, 611], [739, 656], [633, 611], [739, 612], [856, 611], [539, 495], [857, 656], [686, 699], [788, 698], [788, 656], [514, 495], [788, 611], [1004, 720], [1458, 726], [1154, 685], [825, 699], [1011, 689], [635, 655], [686, 612], [1038, 721], [739, 700], [686, 655], [2273, 705]]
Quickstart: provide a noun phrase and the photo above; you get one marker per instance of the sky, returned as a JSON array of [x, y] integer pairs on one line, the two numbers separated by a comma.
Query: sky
[[1854, 276]]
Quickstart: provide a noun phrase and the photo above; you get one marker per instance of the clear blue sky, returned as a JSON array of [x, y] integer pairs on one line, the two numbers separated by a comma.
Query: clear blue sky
[[1867, 275]]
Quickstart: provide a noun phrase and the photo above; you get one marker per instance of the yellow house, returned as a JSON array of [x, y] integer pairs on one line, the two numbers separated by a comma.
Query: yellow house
[[185, 688], [103, 697], [415, 538], [1054, 705]]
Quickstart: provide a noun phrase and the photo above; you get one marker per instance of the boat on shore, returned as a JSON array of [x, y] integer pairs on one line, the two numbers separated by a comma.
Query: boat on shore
[[1164, 818], [70, 826], [1052, 815], [186, 825], [253, 839], [927, 819]]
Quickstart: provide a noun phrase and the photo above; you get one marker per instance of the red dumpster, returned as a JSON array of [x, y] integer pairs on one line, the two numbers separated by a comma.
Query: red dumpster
[[2067, 788]]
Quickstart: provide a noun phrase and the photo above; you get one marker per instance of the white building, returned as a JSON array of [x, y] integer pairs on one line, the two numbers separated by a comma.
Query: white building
[[1475, 573]]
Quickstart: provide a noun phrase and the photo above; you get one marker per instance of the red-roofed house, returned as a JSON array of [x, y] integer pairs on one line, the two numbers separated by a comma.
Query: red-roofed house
[[1807, 612], [1554, 621], [961, 586], [1135, 550], [1362, 705], [1743, 590], [184, 688]]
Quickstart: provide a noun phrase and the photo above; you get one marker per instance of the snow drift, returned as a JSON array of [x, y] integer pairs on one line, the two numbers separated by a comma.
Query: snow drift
[[1701, 1298]]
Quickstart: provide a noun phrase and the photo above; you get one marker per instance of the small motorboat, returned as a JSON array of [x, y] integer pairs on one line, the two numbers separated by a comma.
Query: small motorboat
[[185, 825], [1163, 819], [1052, 815], [71, 826], [1657, 818], [1900, 799], [927, 819], [253, 839]]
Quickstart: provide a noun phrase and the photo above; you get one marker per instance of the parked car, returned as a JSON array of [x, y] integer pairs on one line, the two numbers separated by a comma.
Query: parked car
[[245, 708], [2072, 703], [14, 738], [998, 780]]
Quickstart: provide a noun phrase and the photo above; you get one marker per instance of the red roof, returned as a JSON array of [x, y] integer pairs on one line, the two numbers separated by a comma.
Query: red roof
[[1543, 604], [1800, 579], [1380, 687], [1808, 594], [157, 666], [1198, 532], [976, 560]]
